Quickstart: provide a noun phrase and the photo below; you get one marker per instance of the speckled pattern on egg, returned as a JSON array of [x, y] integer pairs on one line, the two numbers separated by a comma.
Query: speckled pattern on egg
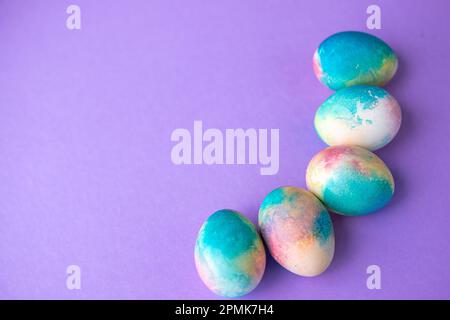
[[350, 180], [229, 254], [354, 58], [297, 230], [366, 116]]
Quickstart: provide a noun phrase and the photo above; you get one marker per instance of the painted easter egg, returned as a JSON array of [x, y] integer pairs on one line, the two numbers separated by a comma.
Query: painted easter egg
[[297, 230], [350, 180], [351, 58], [366, 116], [229, 254]]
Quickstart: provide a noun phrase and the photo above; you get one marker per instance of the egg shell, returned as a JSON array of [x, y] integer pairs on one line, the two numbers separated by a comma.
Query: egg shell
[[354, 58], [229, 254], [297, 230], [366, 116], [350, 180]]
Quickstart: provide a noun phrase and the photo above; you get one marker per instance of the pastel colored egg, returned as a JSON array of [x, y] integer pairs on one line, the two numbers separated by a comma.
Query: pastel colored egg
[[229, 254], [297, 230], [350, 180], [351, 58], [366, 116]]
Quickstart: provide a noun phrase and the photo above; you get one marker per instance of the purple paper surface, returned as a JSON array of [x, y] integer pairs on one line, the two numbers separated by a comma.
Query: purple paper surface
[[86, 118]]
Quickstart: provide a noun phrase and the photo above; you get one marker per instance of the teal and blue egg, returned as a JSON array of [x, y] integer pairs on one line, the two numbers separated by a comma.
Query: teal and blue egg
[[354, 58]]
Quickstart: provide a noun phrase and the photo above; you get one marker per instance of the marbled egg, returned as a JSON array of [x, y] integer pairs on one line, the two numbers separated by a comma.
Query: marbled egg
[[366, 116], [229, 254], [351, 58], [297, 230], [350, 180]]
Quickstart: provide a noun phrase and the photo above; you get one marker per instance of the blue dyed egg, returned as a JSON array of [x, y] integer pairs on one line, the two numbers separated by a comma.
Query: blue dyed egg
[[229, 254], [365, 116], [354, 58], [350, 180], [297, 230]]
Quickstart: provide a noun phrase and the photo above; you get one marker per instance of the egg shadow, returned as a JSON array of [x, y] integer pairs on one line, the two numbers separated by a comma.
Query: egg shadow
[[404, 136], [401, 76], [409, 129], [343, 241], [400, 192], [273, 271], [398, 87], [272, 276], [401, 184]]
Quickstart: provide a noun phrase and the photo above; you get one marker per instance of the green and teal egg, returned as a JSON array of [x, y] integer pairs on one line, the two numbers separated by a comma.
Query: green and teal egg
[[229, 254]]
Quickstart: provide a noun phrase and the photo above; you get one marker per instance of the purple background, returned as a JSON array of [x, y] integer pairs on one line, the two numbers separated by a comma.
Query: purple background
[[85, 122]]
